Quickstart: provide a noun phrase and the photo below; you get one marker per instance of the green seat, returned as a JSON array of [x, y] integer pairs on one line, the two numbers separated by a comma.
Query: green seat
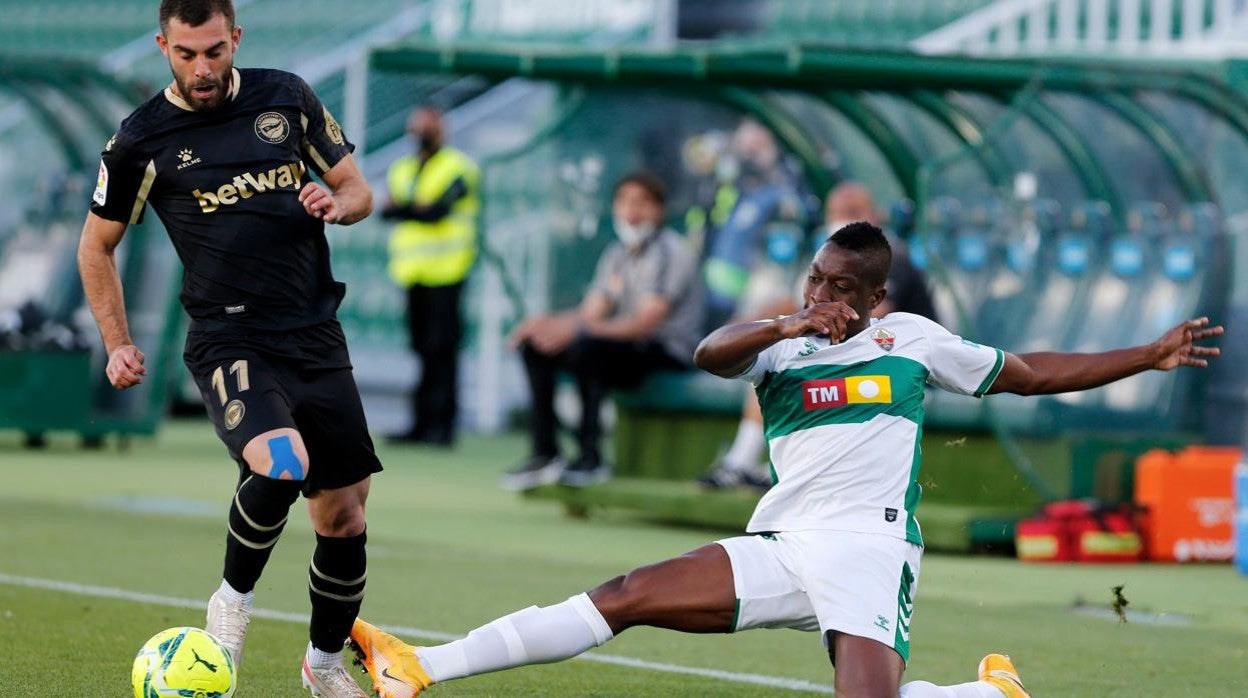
[[684, 391], [675, 424]]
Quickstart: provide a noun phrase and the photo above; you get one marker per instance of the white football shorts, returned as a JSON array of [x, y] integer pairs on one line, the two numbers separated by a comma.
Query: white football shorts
[[861, 584]]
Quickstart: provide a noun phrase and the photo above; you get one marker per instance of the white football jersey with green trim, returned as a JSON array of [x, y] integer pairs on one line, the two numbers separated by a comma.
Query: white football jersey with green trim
[[843, 422]]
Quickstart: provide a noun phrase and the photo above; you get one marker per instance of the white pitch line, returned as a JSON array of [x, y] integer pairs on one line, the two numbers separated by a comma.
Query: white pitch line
[[302, 618]]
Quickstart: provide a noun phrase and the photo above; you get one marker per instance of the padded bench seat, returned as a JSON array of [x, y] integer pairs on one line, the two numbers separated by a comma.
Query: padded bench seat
[[675, 424]]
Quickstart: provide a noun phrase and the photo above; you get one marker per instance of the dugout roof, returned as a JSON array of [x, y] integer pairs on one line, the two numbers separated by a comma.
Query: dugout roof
[[973, 122]]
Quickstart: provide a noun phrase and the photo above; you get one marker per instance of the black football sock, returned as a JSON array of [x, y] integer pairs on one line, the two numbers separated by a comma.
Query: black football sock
[[336, 587], [257, 517]]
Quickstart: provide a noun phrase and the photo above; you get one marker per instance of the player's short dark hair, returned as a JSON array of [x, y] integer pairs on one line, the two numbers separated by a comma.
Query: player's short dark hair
[[195, 12], [652, 185], [870, 242]]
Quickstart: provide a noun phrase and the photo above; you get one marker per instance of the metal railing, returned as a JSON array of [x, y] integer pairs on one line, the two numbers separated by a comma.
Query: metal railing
[[1176, 29]]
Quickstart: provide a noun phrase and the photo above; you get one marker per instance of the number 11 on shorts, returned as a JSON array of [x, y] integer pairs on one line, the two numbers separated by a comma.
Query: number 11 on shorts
[[239, 370]]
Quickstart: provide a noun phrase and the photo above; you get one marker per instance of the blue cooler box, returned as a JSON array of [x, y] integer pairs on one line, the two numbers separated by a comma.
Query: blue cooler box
[[1241, 517]]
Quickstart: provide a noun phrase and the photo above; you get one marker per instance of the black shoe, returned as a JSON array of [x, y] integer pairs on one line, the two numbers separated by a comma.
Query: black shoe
[[534, 472], [439, 436], [757, 481], [722, 477], [583, 473], [429, 437], [411, 436]]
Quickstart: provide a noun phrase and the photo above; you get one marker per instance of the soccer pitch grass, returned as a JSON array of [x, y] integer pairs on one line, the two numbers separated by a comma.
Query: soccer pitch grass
[[449, 550]]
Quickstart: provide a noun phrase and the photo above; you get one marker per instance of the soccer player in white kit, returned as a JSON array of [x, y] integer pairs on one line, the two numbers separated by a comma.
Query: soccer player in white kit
[[834, 546]]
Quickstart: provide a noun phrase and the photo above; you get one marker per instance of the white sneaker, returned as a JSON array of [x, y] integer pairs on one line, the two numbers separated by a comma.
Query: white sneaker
[[227, 621], [331, 682], [534, 472]]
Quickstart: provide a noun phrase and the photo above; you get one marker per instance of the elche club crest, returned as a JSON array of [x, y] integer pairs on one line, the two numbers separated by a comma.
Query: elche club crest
[[883, 338]]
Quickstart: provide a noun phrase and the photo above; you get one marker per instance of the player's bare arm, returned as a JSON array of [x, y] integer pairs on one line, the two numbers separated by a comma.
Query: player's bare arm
[[348, 198], [1045, 373], [731, 349], [98, 266]]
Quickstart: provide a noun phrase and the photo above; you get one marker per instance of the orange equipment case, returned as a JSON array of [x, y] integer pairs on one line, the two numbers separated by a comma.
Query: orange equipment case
[[1188, 498]]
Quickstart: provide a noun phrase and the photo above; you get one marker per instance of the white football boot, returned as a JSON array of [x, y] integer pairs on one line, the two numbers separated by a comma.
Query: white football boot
[[227, 621], [331, 682]]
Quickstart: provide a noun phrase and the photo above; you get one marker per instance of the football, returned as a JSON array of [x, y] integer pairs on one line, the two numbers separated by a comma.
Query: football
[[184, 663]]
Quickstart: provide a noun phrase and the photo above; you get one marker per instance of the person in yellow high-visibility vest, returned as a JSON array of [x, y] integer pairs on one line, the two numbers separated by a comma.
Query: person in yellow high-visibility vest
[[434, 196]]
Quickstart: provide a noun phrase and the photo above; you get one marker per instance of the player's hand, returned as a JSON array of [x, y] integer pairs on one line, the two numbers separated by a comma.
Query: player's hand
[[320, 203], [1178, 346], [125, 367], [825, 319]]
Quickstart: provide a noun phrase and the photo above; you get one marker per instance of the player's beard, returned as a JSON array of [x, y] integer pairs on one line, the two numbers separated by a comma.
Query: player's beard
[[219, 84]]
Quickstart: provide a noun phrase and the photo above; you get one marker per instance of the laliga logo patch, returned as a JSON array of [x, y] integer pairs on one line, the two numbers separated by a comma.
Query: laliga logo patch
[[884, 339], [100, 196], [272, 127]]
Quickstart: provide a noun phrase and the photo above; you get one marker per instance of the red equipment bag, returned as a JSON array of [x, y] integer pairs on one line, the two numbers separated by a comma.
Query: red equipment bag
[[1082, 530]]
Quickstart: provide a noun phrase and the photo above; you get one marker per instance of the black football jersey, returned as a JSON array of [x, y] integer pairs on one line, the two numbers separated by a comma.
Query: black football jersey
[[226, 185]]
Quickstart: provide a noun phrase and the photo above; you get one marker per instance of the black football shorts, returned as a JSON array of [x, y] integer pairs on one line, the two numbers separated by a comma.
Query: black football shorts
[[250, 385]]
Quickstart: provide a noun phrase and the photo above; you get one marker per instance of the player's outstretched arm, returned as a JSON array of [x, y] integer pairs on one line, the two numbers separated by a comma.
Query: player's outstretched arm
[[731, 349], [98, 267], [348, 199], [1045, 373]]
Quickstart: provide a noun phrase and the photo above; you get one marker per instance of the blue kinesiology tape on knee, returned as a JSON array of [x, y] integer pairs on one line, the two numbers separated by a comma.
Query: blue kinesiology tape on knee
[[284, 459]]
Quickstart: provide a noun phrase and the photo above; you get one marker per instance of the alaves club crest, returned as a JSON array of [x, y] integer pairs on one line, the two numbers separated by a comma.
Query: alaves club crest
[[884, 339]]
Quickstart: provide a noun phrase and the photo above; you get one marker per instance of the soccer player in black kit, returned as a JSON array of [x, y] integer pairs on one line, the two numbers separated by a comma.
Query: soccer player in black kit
[[225, 158]]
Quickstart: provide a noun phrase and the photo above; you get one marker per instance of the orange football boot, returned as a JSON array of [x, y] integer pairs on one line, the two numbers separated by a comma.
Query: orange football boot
[[998, 670], [391, 663]]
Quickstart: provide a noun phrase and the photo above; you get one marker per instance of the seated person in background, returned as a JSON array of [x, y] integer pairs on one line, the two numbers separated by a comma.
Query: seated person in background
[[766, 190], [643, 313], [848, 202]]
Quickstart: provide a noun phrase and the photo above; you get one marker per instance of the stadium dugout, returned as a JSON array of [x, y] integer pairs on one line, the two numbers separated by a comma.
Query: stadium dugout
[[1039, 187]]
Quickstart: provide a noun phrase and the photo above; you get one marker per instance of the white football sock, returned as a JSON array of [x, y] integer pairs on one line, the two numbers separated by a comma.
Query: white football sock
[[747, 447], [229, 593], [323, 660], [529, 636], [975, 689]]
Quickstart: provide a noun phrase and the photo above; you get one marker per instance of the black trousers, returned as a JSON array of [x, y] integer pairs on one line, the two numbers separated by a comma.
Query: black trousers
[[435, 329], [597, 365]]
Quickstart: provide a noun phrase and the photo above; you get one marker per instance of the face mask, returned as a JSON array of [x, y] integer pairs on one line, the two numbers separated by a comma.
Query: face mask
[[632, 235], [426, 142]]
